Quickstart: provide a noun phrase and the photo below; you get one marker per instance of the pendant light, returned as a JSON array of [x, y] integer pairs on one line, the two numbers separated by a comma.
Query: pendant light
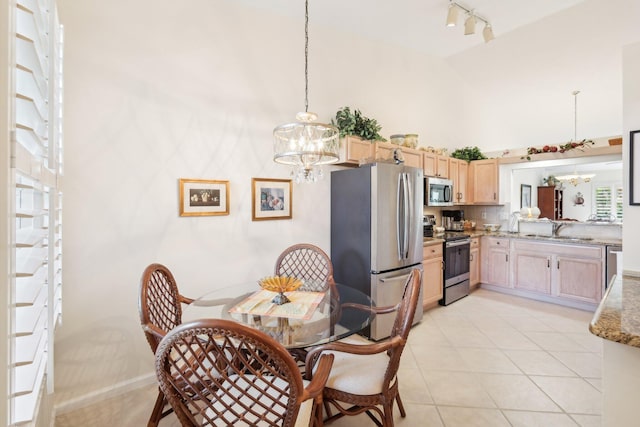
[[575, 179], [305, 144]]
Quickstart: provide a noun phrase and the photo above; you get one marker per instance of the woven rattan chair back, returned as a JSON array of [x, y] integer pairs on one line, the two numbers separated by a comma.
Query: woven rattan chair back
[[222, 373], [307, 262], [159, 303], [378, 402], [402, 324], [160, 309]]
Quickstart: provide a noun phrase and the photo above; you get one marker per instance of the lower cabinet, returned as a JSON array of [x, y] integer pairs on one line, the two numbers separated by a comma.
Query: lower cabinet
[[432, 276], [579, 278], [568, 271], [474, 262], [531, 270], [494, 265]]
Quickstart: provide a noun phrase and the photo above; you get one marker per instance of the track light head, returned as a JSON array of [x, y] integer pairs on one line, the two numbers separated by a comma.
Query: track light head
[[470, 25], [452, 16], [470, 21], [487, 33]]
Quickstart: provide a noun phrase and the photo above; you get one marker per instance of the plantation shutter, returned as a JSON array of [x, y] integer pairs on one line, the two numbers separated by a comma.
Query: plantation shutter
[[608, 201], [36, 170], [603, 198]]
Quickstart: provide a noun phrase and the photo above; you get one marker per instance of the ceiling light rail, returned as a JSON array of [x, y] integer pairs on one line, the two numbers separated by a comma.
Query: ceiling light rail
[[470, 21]]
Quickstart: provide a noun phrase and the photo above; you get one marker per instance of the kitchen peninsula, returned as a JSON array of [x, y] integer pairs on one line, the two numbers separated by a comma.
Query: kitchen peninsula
[[617, 320]]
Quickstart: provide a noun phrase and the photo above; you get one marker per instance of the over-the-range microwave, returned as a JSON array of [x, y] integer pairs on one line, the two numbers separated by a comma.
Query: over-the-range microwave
[[438, 191]]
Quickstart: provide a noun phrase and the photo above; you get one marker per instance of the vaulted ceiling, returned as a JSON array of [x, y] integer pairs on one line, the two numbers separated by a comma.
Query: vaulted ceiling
[[416, 24]]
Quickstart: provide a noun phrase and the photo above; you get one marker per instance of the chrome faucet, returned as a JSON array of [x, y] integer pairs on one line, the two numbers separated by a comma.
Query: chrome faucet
[[555, 227]]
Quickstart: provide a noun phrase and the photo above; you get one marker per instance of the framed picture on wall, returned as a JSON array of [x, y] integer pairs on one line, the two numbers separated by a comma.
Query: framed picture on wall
[[634, 166], [525, 196], [203, 197], [271, 199]]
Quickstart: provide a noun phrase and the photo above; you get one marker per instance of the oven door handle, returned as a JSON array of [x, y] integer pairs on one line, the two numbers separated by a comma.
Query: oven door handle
[[457, 243]]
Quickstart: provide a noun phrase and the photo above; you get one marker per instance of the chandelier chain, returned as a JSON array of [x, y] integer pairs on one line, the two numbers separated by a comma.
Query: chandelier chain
[[306, 56]]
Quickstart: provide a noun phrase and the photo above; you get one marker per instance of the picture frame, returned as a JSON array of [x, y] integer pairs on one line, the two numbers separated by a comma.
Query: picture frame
[[203, 197], [634, 159], [271, 199], [525, 196]]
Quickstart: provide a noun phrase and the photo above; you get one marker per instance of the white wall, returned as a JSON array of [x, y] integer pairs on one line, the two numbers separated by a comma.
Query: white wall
[[159, 90], [631, 119], [156, 91], [524, 80]]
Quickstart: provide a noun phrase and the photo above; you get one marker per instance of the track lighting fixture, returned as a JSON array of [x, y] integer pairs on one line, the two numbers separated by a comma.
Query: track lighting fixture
[[470, 21], [470, 25], [452, 16], [487, 33]]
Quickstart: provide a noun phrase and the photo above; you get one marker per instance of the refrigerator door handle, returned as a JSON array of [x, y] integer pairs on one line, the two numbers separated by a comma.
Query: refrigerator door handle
[[398, 278], [400, 217], [407, 215]]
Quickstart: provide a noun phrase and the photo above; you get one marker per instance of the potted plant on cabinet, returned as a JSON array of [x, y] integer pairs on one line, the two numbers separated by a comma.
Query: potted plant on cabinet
[[353, 123]]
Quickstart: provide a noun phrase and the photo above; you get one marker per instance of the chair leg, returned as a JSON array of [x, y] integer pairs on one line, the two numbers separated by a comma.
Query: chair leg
[[400, 406], [156, 415], [388, 414]]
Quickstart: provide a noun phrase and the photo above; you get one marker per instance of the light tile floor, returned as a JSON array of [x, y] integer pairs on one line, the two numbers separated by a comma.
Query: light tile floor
[[487, 360]]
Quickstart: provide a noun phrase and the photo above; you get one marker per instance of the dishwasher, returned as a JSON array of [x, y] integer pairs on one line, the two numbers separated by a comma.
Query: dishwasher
[[614, 262]]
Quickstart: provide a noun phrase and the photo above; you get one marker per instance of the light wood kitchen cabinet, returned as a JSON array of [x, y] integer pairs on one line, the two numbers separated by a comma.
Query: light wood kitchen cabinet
[[384, 151], [574, 272], [531, 266], [494, 262], [458, 173], [474, 262], [483, 182], [435, 165], [433, 275], [353, 150], [579, 279]]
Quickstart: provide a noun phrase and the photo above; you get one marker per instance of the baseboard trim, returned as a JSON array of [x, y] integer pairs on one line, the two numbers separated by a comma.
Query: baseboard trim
[[585, 306], [105, 393]]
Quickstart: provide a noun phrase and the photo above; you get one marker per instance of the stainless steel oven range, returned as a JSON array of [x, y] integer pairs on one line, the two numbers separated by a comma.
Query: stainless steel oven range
[[457, 247]]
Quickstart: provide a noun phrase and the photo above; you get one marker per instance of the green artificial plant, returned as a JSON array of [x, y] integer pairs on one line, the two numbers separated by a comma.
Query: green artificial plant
[[354, 123], [468, 154]]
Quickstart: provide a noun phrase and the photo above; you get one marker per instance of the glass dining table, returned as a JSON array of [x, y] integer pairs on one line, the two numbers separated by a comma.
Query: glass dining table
[[309, 319]]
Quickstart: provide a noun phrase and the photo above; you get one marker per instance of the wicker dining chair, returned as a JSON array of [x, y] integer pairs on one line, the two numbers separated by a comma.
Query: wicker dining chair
[[218, 372], [160, 311], [364, 374], [308, 263]]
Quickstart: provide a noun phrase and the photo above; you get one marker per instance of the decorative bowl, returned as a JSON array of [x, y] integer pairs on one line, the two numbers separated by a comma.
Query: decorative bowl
[[280, 283], [491, 227]]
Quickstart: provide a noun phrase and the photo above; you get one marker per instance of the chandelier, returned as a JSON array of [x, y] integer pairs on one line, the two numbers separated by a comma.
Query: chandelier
[[305, 144], [575, 179]]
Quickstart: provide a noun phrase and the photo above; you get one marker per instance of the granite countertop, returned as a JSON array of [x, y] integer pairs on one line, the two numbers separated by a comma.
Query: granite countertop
[[618, 315], [552, 239], [542, 238]]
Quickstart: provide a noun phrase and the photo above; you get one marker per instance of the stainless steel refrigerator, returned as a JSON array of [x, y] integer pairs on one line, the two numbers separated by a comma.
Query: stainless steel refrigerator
[[376, 233]]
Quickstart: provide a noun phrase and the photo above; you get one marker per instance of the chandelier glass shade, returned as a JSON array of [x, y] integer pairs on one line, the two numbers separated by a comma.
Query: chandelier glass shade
[[305, 144]]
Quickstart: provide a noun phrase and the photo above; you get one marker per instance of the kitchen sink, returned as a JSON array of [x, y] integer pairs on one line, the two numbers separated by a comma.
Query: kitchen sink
[[565, 238], [570, 238]]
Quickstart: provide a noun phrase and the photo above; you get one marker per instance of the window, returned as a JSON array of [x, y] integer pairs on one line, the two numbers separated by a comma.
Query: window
[[36, 207], [607, 198]]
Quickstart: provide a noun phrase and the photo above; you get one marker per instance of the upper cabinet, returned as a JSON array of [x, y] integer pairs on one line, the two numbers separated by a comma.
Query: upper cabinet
[[483, 182], [412, 157], [459, 174], [354, 150], [435, 165]]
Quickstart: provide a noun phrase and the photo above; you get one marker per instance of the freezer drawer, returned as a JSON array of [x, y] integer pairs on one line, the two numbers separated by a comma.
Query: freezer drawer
[[387, 289]]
